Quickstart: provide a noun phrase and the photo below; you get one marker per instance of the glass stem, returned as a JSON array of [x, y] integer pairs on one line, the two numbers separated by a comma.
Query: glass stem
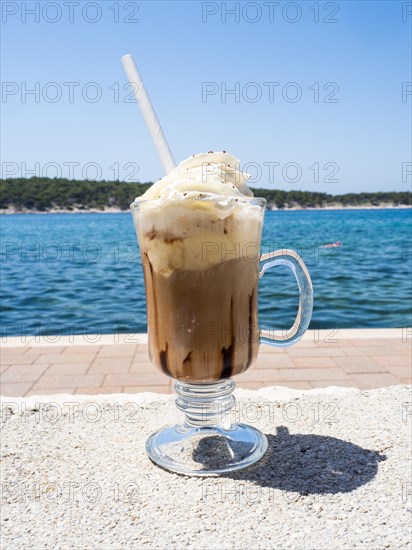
[[205, 404]]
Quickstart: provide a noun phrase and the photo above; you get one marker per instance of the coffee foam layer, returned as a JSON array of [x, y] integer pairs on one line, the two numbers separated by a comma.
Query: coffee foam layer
[[194, 234]]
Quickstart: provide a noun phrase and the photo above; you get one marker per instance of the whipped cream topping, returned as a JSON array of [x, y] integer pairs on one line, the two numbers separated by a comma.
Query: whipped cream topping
[[206, 173]]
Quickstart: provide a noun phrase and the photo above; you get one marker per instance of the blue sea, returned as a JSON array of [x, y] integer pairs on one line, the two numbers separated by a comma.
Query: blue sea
[[81, 273]]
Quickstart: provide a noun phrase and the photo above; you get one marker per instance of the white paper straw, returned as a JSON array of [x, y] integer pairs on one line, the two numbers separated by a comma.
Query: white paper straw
[[148, 113]]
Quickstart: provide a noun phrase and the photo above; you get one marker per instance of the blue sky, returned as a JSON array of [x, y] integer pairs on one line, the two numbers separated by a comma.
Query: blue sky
[[318, 105]]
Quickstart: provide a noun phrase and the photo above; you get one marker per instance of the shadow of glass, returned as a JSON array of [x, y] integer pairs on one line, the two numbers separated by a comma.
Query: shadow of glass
[[216, 452], [311, 464]]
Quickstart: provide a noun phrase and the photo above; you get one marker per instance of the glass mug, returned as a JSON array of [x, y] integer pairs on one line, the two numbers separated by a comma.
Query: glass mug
[[201, 298]]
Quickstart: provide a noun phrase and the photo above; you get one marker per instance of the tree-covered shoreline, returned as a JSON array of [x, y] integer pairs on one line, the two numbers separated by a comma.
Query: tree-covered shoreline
[[46, 194]]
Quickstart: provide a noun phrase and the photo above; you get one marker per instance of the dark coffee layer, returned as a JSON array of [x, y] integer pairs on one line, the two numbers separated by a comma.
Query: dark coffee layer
[[203, 323]]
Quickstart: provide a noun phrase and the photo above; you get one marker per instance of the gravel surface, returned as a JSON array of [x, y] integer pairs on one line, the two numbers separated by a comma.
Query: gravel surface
[[337, 475]]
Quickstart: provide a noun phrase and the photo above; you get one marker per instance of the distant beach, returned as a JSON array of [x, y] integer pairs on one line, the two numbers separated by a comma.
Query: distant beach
[[272, 207], [108, 210], [343, 207], [61, 196]]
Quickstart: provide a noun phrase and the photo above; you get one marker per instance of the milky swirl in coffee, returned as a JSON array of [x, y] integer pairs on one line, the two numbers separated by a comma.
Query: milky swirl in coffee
[[198, 215]]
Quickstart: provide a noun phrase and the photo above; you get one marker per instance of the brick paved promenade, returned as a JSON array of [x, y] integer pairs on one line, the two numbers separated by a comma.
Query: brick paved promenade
[[362, 358]]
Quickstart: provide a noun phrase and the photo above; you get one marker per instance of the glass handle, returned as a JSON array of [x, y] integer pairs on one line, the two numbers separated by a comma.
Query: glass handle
[[294, 262]]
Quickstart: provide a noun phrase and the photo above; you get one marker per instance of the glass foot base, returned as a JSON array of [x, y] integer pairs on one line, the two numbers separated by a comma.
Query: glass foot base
[[206, 450]]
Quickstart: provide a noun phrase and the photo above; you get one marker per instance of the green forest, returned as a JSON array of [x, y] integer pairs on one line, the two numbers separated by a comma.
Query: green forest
[[43, 194]]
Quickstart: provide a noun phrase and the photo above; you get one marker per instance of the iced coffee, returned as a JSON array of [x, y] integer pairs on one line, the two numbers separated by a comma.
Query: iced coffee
[[199, 231]]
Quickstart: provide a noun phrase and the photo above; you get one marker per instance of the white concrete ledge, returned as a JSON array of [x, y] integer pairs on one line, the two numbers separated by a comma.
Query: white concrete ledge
[[335, 475]]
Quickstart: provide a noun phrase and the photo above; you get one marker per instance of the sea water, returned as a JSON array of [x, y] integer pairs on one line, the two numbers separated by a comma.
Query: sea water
[[81, 273]]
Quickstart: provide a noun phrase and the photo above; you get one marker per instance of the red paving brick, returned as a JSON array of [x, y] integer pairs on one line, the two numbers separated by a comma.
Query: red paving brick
[[378, 380], [68, 369], [23, 373], [48, 391], [142, 367], [67, 381], [153, 389], [99, 390], [119, 350], [389, 361], [313, 374], [154, 378], [64, 359], [20, 358], [315, 362], [359, 364], [15, 389], [114, 366]]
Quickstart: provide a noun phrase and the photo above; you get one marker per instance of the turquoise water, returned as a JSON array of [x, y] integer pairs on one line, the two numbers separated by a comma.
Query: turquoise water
[[81, 273]]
